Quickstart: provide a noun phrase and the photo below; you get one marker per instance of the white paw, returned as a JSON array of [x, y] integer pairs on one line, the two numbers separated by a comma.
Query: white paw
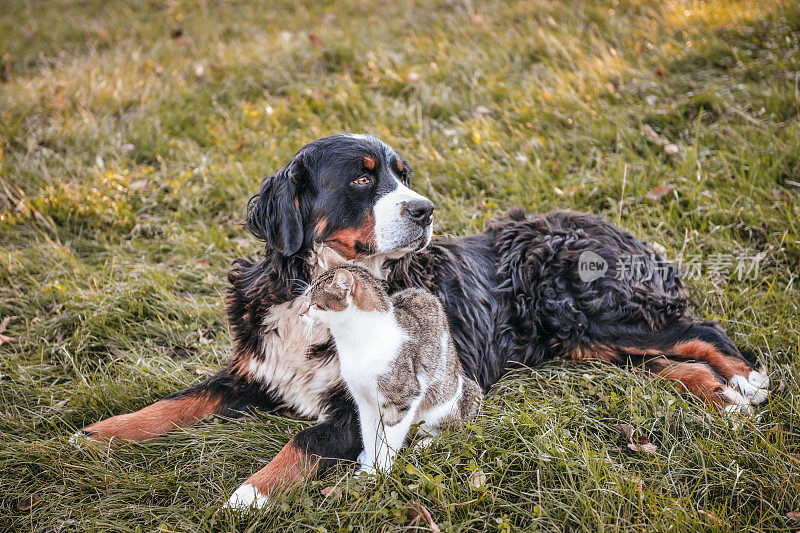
[[425, 442], [735, 416], [736, 402], [366, 468], [246, 497], [755, 387], [79, 438]]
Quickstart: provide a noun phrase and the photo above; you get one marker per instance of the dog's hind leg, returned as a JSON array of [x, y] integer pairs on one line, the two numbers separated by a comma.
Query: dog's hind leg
[[223, 395], [697, 355], [699, 379], [704, 342]]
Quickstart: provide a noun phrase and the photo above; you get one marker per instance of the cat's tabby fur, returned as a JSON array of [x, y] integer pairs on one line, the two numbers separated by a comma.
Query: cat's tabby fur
[[396, 357]]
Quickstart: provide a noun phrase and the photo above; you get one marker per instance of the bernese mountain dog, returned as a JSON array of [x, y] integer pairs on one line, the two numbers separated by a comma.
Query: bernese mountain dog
[[514, 296]]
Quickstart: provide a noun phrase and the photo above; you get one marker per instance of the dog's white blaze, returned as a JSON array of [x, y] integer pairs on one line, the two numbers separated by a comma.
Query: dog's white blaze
[[245, 497], [391, 231]]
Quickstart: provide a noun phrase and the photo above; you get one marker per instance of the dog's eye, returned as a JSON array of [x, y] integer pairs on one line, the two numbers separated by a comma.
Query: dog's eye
[[361, 180]]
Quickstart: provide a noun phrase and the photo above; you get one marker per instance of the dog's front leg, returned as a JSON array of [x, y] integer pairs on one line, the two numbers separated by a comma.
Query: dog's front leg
[[310, 452]]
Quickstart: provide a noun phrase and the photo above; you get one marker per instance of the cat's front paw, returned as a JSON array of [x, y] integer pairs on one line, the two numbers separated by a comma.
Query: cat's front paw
[[366, 467]]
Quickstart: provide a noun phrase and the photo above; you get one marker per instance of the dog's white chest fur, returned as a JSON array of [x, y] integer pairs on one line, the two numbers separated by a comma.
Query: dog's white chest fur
[[285, 364]]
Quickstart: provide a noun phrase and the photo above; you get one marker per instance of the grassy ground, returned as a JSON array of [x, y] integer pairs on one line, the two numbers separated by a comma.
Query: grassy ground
[[132, 133]]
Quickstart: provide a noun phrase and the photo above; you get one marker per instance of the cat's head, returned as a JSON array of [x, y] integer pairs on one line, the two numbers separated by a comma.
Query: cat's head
[[345, 288]]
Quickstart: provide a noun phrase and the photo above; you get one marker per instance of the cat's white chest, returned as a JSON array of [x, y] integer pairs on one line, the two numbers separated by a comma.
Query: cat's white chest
[[367, 345]]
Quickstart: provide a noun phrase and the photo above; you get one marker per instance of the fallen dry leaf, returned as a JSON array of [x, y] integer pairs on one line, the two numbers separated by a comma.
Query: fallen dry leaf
[[5, 339], [28, 502], [660, 192], [727, 131], [417, 513], [669, 148], [477, 480], [711, 518], [793, 517], [636, 481], [413, 77], [626, 430], [4, 324], [651, 134], [637, 443], [56, 407], [116, 352], [333, 491], [182, 352], [315, 39], [641, 444]]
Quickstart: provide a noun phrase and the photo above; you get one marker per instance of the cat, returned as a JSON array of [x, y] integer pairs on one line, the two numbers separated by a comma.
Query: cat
[[396, 357]]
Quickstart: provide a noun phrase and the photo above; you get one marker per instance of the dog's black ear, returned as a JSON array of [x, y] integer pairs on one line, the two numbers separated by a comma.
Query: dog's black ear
[[405, 171], [273, 215]]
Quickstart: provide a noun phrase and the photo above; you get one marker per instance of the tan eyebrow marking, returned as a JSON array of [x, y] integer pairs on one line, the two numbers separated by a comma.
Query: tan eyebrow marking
[[369, 162], [399, 165]]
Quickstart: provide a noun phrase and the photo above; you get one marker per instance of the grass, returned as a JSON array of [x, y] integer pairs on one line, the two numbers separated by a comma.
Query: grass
[[132, 133]]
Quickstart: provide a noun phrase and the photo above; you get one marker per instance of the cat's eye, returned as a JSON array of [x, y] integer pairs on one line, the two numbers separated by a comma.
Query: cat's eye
[[361, 180]]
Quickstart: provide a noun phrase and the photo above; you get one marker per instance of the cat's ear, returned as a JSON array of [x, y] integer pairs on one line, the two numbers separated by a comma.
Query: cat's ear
[[344, 280], [330, 258]]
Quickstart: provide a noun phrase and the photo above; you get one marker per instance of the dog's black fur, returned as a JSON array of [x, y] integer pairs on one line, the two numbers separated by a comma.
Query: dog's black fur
[[512, 293]]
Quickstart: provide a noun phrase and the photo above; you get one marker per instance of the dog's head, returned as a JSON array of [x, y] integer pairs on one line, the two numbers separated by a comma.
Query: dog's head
[[350, 192]]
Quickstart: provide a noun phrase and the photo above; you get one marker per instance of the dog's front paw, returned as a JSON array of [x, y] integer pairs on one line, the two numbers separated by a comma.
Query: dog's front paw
[[80, 438], [246, 497]]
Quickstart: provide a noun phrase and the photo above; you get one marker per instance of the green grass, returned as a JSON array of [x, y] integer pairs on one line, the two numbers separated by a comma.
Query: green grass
[[132, 134]]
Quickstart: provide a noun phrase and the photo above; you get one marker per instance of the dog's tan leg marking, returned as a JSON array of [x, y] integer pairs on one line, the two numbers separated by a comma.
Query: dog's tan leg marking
[[288, 469], [752, 383], [154, 420], [700, 380]]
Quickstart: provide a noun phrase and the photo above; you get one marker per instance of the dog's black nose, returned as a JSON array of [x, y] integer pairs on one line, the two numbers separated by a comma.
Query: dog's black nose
[[420, 211]]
